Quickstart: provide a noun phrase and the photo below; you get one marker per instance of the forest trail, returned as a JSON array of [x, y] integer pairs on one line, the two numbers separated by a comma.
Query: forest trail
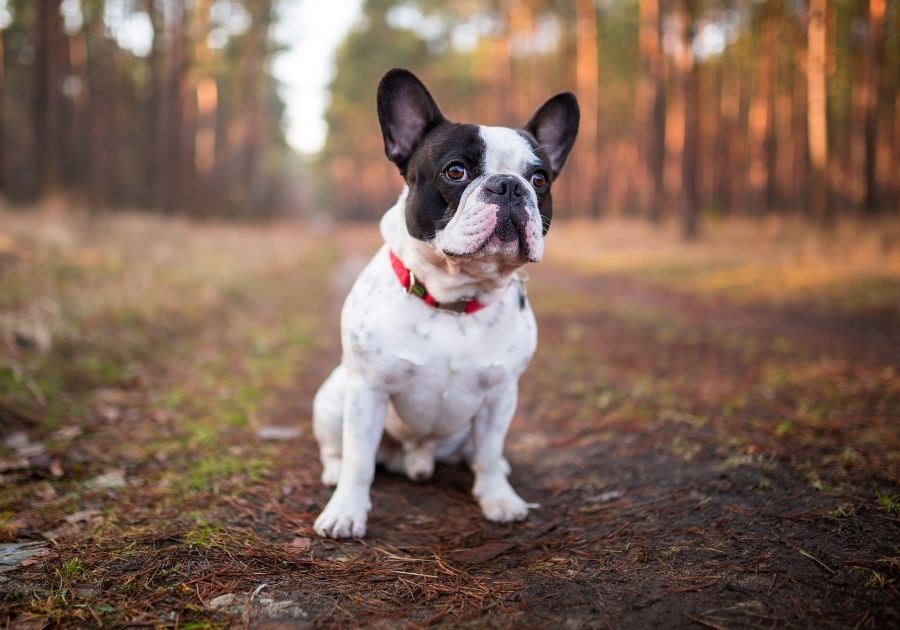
[[700, 461]]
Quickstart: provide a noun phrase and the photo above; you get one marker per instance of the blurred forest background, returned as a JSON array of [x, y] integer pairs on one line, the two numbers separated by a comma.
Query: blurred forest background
[[710, 424], [690, 108]]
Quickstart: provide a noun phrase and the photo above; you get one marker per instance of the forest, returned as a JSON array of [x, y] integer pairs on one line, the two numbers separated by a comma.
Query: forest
[[709, 423], [690, 109], [156, 104]]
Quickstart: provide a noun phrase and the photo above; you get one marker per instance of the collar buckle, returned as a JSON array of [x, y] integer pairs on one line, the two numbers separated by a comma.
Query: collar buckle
[[414, 287]]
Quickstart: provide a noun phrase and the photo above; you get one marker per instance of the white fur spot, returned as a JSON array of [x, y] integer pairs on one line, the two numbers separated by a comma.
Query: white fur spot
[[505, 151]]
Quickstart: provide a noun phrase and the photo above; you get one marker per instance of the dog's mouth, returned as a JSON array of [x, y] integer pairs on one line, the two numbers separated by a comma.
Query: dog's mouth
[[508, 239]]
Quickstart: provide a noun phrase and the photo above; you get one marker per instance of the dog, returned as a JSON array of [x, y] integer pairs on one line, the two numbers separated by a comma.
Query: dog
[[437, 328]]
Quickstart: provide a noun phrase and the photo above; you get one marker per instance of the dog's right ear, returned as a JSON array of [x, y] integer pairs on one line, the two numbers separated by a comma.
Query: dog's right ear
[[406, 112]]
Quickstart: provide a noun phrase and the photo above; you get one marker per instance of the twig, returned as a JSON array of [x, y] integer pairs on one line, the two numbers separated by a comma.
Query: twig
[[257, 590]]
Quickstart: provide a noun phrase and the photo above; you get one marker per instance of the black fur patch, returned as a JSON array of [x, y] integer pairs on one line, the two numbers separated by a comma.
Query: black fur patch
[[406, 113], [433, 197], [554, 125]]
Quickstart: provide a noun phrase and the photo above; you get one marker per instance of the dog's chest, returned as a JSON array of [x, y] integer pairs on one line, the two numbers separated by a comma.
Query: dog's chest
[[438, 368]]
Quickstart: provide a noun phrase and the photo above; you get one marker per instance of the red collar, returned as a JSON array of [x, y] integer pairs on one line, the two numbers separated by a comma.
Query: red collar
[[408, 280]]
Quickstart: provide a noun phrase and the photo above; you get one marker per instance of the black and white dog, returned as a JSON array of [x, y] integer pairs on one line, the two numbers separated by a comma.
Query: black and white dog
[[437, 330]]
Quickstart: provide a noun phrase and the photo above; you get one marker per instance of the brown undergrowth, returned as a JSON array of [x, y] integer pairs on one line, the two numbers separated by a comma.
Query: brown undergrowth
[[703, 456]]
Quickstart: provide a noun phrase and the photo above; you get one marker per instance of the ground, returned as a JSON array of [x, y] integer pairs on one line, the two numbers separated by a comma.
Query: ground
[[710, 428]]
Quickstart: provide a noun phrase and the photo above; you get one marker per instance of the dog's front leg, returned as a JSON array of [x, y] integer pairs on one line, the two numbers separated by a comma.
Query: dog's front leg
[[365, 407], [498, 501]]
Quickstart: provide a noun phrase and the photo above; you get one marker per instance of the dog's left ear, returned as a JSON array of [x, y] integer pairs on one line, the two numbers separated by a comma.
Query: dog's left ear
[[555, 125], [406, 112]]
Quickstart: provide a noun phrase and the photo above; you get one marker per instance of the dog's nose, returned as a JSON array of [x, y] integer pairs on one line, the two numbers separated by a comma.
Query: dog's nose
[[504, 187]]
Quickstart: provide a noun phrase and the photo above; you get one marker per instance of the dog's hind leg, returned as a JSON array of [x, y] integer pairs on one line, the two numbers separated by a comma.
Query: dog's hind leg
[[328, 421], [404, 457]]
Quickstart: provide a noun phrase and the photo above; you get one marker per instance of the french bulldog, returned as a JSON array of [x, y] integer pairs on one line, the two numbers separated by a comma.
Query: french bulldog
[[437, 328]]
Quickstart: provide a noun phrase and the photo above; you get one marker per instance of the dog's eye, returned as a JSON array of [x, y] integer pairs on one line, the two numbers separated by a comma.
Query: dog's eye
[[538, 180], [456, 172]]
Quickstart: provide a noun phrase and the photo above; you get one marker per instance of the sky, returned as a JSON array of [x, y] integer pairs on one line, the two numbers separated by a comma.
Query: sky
[[312, 30]]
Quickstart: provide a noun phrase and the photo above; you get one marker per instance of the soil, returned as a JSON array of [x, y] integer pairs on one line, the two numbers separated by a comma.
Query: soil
[[699, 462]]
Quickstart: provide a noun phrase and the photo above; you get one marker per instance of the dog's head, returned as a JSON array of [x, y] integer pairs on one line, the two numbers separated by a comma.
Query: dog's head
[[475, 191]]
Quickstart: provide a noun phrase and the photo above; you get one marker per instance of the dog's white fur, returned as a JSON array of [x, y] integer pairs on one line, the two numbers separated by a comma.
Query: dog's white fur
[[417, 384]]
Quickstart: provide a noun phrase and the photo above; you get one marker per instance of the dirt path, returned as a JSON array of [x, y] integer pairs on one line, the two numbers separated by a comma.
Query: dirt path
[[698, 463]]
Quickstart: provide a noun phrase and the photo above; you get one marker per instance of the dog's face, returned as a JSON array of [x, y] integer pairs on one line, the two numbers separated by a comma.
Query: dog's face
[[475, 191]]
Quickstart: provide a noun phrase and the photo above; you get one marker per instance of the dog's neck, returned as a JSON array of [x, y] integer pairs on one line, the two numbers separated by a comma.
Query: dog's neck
[[447, 278]]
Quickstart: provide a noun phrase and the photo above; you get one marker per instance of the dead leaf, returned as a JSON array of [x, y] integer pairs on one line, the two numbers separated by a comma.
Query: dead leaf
[[16, 440], [46, 491], [82, 517], [67, 433], [27, 562], [278, 433], [18, 463], [299, 544], [222, 600], [66, 531], [110, 395], [482, 553], [8, 244], [23, 446], [109, 479], [604, 497], [110, 413]]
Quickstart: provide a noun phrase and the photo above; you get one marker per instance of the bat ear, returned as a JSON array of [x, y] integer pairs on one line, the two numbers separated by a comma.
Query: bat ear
[[555, 125], [406, 112]]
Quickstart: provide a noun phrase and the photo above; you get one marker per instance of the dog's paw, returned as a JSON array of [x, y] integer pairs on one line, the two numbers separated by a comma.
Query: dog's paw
[[344, 517], [501, 504], [331, 471], [505, 509]]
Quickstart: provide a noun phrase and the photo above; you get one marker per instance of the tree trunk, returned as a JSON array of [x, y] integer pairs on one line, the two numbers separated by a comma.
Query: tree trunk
[[206, 94], [673, 177], [521, 24], [173, 168], [47, 96], [887, 136], [586, 81], [760, 120], [151, 197], [650, 107], [3, 148], [785, 143], [255, 128], [800, 134], [690, 78], [816, 111], [874, 56]]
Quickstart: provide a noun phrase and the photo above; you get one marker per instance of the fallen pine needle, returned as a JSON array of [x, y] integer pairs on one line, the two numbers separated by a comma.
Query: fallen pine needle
[[417, 574], [816, 560]]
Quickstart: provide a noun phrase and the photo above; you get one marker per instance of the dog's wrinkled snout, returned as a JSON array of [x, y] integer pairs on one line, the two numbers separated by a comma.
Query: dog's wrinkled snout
[[498, 188], [507, 193]]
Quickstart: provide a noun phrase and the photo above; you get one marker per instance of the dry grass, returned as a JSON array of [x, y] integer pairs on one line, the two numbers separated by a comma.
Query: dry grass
[[61, 271], [855, 265]]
